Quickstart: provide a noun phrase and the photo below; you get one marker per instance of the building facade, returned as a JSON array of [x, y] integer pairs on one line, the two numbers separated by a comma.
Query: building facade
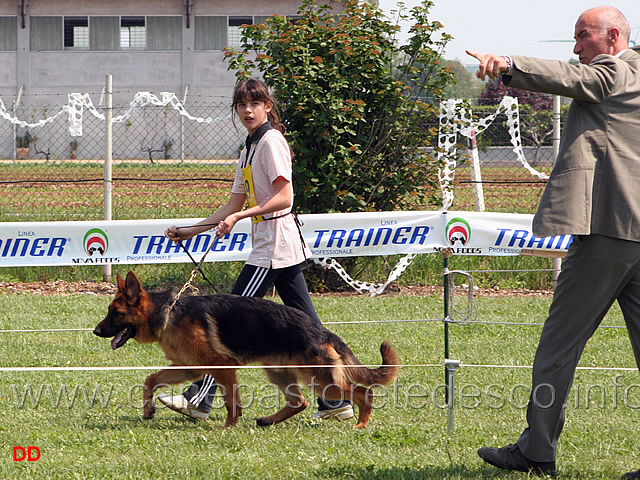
[[59, 46]]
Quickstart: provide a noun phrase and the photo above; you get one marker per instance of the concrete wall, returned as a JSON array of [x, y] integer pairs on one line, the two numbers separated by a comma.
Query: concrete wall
[[53, 73], [47, 77]]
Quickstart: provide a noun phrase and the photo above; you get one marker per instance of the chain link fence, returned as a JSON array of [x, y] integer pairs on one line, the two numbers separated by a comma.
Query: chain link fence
[[503, 183], [164, 165], [167, 165]]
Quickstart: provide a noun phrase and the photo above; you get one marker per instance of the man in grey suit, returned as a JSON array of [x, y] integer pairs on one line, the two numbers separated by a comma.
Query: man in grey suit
[[593, 193]]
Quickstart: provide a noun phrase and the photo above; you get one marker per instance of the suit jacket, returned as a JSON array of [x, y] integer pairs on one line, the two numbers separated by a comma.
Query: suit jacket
[[594, 187]]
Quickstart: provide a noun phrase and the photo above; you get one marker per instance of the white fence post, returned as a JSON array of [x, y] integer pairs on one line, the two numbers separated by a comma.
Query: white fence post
[[476, 175]]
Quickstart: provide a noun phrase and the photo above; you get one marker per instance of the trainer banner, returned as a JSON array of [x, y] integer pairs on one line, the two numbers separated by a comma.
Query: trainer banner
[[328, 235]]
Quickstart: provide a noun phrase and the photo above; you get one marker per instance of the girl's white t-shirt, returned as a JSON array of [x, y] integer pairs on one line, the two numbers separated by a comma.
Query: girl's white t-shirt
[[275, 243]]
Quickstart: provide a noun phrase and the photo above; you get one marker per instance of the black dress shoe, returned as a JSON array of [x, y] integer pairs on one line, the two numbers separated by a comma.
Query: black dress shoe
[[635, 474], [511, 458]]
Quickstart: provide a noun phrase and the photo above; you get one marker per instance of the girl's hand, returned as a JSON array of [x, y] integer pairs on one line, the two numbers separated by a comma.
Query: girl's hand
[[175, 234], [225, 226]]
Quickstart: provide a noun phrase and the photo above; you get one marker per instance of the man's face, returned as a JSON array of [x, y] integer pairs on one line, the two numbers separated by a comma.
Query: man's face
[[591, 40]]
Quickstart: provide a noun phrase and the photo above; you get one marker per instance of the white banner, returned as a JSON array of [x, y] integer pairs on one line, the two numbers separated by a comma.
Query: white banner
[[328, 235]]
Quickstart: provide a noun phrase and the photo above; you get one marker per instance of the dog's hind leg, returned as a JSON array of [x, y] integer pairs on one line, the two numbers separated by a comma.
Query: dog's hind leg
[[363, 398], [162, 379], [287, 382]]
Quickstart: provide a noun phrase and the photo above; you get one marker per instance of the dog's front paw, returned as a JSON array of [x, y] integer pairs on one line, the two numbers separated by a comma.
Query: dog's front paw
[[231, 422], [148, 413]]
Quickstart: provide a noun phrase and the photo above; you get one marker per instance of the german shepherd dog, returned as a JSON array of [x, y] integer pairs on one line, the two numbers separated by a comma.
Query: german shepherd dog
[[230, 331]]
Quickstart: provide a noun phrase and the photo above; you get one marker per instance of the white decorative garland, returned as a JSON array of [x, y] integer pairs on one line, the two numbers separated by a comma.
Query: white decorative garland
[[455, 117], [12, 119], [363, 287], [77, 102]]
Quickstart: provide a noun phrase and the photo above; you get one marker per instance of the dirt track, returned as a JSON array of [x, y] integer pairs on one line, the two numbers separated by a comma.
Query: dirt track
[[60, 287]]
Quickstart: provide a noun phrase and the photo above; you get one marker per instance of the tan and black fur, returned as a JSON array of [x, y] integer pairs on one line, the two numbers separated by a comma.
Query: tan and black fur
[[231, 330]]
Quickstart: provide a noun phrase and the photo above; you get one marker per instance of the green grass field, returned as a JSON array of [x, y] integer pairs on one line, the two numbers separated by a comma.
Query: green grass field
[[89, 424], [56, 190], [505, 189], [75, 191]]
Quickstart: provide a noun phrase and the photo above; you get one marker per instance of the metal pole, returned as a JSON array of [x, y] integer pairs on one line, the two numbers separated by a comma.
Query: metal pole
[[184, 100], [15, 127], [451, 366], [556, 263], [15, 132], [108, 167], [445, 274]]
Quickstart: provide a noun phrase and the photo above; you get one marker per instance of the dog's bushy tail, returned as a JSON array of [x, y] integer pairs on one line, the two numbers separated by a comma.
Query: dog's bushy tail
[[383, 375]]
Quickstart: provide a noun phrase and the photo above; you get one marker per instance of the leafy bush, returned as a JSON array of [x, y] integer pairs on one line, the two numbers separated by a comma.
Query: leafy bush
[[355, 103]]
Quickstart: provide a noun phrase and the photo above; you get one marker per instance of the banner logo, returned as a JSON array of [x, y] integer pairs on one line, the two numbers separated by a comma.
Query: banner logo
[[95, 240], [458, 230]]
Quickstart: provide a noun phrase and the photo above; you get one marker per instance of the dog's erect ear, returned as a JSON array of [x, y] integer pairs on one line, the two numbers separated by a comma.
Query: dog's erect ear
[[133, 288], [120, 281]]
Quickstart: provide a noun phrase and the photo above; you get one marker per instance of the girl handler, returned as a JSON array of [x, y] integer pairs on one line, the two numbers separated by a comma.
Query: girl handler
[[263, 182]]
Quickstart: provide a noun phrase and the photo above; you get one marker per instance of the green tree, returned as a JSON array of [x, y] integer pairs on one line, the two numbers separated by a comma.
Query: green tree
[[359, 108], [465, 84]]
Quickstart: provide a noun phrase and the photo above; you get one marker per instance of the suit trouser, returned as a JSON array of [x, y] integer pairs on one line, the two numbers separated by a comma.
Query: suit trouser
[[597, 271]]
